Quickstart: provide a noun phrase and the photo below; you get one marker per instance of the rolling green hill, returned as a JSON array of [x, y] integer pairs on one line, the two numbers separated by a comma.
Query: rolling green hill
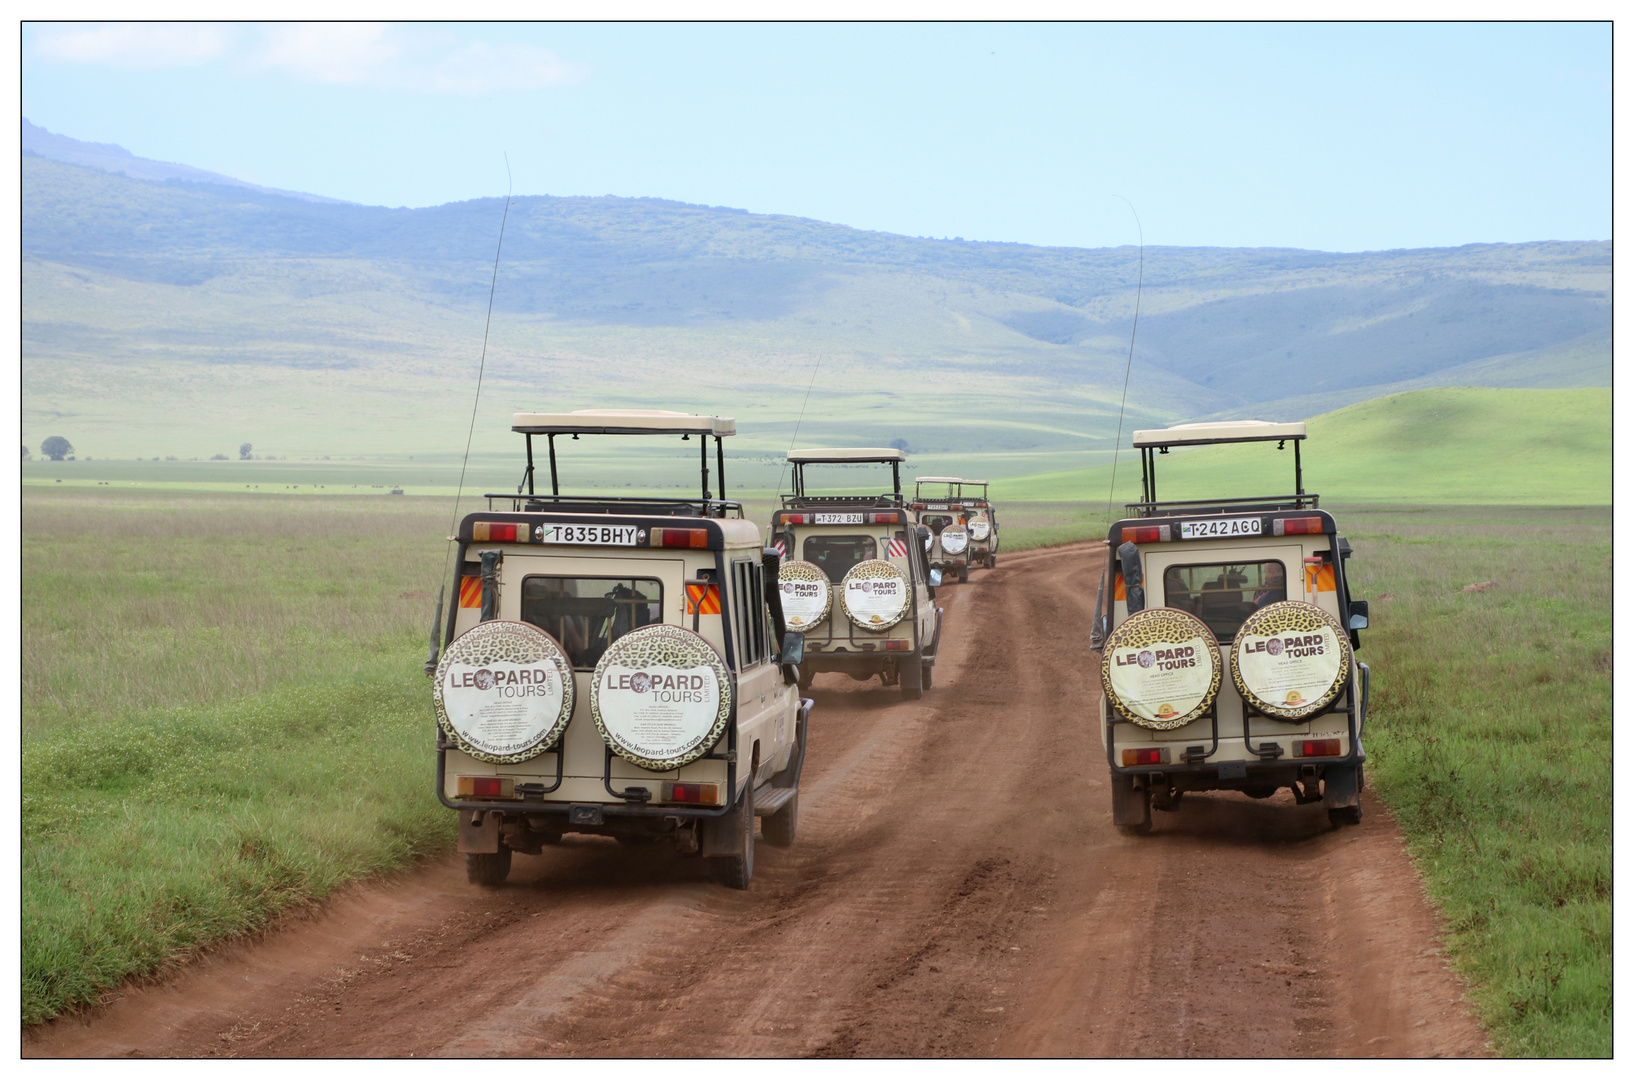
[[1453, 445]]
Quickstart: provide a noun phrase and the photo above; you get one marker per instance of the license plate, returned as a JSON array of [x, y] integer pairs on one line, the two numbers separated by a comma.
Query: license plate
[[936, 506], [598, 535], [1205, 530], [838, 519]]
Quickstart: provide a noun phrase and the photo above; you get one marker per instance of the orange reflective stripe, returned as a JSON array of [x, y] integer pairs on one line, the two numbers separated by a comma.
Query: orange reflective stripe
[[1117, 587], [1321, 578], [704, 599], [470, 592]]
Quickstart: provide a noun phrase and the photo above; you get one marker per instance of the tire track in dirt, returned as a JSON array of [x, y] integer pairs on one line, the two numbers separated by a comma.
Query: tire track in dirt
[[956, 888]]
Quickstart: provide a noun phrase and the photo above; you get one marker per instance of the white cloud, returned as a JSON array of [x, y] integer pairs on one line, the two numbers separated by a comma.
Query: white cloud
[[381, 56], [133, 45], [327, 52], [481, 67]]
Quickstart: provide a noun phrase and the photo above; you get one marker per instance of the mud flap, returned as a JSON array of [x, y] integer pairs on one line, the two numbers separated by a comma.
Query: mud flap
[[1339, 787], [719, 835], [479, 832], [1130, 804]]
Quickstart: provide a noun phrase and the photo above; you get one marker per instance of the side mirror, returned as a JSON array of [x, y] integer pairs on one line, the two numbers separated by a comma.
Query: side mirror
[[1358, 615], [794, 647], [935, 578]]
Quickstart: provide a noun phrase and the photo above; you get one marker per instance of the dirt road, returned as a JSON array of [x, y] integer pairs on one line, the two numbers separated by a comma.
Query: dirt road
[[956, 889]]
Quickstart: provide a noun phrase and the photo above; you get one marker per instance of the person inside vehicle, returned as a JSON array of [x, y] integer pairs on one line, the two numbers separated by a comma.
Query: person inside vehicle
[[1273, 585]]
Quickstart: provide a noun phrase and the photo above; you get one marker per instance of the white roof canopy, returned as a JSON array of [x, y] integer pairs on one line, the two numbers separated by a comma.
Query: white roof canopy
[[939, 480], [1221, 431], [846, 455], [622, 422]]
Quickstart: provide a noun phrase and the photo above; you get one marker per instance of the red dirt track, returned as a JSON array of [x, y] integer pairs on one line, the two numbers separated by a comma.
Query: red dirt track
[[956, 889]]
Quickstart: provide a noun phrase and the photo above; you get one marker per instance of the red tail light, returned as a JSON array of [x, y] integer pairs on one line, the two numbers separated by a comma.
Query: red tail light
[[1146, 534], [893, 518], [708, 794], [1152, 756], [898, 645], [1299, 526], [486, 787], [499, 531], [682, 538], [1316, 748], [794, 519]]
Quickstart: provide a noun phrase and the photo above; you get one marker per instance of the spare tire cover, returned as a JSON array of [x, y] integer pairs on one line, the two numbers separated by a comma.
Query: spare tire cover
[[978, 528], [1290, 660], [503, 691], [661, 696], [1161, 668], [807, 593], [874, 594], [954, 540]]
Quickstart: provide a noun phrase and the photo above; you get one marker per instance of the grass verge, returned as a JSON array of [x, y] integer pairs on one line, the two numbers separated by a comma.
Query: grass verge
[[1490, 739]]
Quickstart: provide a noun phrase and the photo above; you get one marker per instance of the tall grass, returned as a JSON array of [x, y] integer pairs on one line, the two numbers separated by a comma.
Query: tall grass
[[223, 716], [1490, 739]]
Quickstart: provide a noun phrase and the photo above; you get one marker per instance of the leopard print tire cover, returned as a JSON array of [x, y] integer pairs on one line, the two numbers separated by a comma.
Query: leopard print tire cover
[[1161, 668], [661, 697], [874, 594], [807, 593], [503, 691], [1290, 660]]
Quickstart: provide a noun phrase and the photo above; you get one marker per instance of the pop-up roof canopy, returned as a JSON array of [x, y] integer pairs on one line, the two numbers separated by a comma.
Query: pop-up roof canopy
[[956, 486], [1224, 431], [622, 422], [847, 455], [942, 480], [1158, 440]]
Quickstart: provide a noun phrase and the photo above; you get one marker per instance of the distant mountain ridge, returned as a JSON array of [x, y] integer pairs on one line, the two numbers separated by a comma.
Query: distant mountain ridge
[[110, 157], [959, 347]]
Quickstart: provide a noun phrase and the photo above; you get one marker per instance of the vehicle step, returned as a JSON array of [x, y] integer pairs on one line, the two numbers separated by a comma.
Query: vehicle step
[[769, 799]]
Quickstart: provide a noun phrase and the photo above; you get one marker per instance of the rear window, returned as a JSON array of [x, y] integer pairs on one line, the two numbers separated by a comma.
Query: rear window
[[1223, 595], [588, 614], [838, 554]]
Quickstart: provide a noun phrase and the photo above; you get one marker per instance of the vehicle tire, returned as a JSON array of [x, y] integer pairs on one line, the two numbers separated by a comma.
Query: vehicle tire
[[925, 677], [1260, 792], [735, 870], [964, 573], [1345, 815], [489, 869], [806, 678], [913, 679], [778, 829]]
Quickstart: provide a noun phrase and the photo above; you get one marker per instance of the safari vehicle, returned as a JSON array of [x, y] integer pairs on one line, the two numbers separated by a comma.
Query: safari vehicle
[[855, 580], [964, 527], [617, 666], [1227, 635]]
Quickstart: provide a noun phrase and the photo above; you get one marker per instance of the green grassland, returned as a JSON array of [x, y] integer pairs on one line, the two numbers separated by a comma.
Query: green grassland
[[1454, 445], [1490, 740]]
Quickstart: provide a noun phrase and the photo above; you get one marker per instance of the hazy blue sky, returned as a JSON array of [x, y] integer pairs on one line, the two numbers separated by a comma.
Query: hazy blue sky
[[1340, 137]]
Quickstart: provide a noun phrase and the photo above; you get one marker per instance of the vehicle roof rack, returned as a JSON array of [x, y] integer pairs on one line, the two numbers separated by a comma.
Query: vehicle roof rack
[[622, 422], [1218, 431], [615, 504], [847, 455]]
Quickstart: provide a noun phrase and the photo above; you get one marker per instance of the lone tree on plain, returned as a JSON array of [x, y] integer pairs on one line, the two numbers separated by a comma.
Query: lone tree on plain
[[26, 454], [244, 451], [56, 448]]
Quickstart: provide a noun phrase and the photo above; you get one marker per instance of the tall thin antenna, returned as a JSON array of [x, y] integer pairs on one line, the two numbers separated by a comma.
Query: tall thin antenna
[[482, 364], [798, 420], [1128, 366]]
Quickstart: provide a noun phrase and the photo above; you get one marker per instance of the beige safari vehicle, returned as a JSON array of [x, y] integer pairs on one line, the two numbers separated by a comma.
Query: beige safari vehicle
[[854, 579], [963, 525], [617, 666], [1227, 638]]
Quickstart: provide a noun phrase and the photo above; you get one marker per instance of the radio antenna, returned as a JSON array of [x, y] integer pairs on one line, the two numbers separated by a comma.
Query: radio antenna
[[482, 365], [797, 421], [1129, 365]]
